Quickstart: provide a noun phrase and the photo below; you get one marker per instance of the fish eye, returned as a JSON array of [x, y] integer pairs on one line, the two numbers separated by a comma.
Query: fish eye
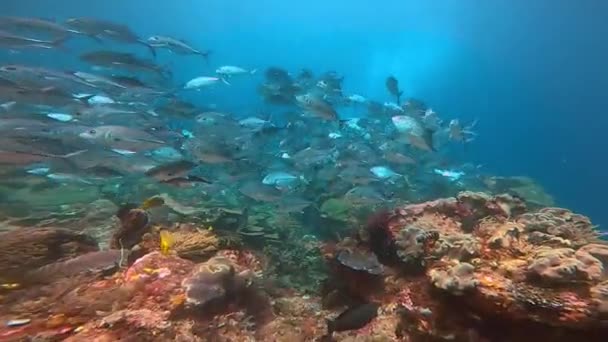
[[92, 131]]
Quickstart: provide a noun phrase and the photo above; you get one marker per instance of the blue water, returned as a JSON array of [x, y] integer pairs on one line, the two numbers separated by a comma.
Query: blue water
[[533, 72]]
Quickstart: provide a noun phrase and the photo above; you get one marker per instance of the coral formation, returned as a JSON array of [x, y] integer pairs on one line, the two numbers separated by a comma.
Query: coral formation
[[413, 245], [472, 267], [456, 280]]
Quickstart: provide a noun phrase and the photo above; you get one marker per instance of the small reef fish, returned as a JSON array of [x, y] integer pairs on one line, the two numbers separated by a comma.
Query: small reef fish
[[231, 70], [203, 81], [166, 242], [353, 318], [392, 85], [152, 202], [176, 46], [384, 172], [451, 175], [18, 322], [280, 179]]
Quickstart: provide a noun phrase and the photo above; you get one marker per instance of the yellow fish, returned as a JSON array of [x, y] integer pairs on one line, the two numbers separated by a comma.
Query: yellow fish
[[166, 241], [10, 286], [152, 202]]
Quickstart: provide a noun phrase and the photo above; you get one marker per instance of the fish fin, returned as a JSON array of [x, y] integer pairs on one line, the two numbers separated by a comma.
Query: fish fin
[[96, 38], [198, 179], [166, 241], [58, 43], [85, 99], [225, 81], [150, 47], [69, 155], [206, 55], [330, 326]]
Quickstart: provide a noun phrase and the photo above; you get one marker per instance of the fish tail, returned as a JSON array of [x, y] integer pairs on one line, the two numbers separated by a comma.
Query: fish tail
[[85, 99], [150, 47], [206, 56], [69, 155], [330, 326], [399, 97], [58, 43], [225, 81]]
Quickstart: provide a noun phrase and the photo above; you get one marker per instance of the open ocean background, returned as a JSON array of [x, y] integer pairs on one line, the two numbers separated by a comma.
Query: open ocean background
[[535, 73]]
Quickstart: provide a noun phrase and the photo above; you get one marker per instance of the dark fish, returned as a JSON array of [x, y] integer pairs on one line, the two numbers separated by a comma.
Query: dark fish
[[177, 46], [35, 25], [171, 171], [102, 263], [317, 106], [12, 41], [353, 318], [97, 29], [260, 192], [393, 87], [122, 60]]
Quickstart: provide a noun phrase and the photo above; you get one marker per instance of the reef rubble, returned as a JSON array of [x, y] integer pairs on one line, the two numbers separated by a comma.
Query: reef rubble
[[474, 267]]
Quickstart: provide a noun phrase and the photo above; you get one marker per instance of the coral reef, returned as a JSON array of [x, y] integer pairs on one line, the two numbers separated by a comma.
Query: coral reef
[[473, 267], [456, 280]]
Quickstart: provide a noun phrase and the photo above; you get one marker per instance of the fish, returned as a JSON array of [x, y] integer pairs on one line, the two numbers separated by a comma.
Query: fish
[[12, 41], [353, 318], [260, 192], [18, 322], [459, 133], [171, 170], [35, 25], [122, 60], [121, 137], [399, 158], [280, 179], [203, 81], [152, 202], [318, 106], [166, 242], [100, 262], [355, 98], [384, 172], [177, 46], [231, 70], [392, 85], [97, 29]]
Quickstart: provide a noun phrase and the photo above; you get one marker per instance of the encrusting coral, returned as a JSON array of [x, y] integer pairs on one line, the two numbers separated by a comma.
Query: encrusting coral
[[472, 267]]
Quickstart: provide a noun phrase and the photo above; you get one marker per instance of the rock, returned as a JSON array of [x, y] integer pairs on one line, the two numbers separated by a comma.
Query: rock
[[456, 280]]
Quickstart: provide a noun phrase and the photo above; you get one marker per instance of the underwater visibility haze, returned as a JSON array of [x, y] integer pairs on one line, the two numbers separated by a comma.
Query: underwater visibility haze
[[313, 171]]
